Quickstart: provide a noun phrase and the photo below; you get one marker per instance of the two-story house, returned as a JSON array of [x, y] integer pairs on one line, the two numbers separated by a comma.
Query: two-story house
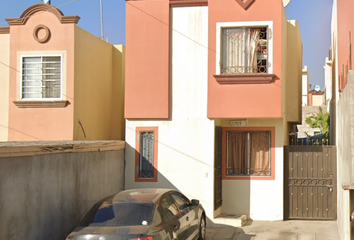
[[212, 90], [57, 81]]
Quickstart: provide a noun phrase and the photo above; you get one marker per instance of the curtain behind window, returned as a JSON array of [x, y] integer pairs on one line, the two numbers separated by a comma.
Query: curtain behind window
[[237, 153], [31, 77], [51, 77], [259, 153], [248, 153], [41, 77], [239, 47]]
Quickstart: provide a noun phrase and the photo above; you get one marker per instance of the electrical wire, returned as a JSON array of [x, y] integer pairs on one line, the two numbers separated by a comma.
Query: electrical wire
[[63, 5]]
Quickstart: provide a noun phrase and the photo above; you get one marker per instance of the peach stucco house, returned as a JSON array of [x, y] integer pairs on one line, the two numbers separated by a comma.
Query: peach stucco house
[[57, 81], [212, 90]]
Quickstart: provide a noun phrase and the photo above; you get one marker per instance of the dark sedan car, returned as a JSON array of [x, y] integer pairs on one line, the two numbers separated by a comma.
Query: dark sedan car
[[143, 214]]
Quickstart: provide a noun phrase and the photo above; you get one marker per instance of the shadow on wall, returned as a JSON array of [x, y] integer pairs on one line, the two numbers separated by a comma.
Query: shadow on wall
[[232, 200], [190, 175]]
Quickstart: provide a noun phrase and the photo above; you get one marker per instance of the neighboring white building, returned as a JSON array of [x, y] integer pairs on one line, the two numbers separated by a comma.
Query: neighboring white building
[[328, 81], [305, 86]]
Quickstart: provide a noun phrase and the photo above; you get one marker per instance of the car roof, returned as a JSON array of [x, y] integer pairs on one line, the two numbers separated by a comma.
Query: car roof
[[142, 195]]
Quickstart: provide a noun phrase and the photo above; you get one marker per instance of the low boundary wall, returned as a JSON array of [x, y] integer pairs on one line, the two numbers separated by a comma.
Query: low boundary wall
[[47, 187]]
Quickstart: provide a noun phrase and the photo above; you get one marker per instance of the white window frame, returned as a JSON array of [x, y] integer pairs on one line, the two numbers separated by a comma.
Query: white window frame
[[221, 25], [61, 76]]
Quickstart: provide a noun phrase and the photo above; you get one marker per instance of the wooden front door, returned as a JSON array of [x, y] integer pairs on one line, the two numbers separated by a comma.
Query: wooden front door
[[310, 182]]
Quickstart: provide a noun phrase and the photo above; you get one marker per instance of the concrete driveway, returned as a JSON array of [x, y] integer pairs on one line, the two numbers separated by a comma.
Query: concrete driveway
[[276, 230]]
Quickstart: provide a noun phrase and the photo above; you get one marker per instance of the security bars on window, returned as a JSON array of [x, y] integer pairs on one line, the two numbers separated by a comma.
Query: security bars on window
[[248, 153], [146, 159], [41, 77], [244, 50]]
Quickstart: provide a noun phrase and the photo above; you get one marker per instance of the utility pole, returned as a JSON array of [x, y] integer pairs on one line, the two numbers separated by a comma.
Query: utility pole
[[103, 37]]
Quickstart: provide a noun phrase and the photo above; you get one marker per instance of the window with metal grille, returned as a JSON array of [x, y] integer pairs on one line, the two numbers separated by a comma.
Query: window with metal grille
[[244, 50], [248, 153], [146, 154], [41, 77], [146, 160]]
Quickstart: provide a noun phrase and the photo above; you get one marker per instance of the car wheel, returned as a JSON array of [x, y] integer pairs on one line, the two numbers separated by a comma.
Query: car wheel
[[202, 228]]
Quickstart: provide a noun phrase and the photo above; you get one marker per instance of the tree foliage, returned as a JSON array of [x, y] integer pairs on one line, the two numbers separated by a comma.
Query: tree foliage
[[320, 120]]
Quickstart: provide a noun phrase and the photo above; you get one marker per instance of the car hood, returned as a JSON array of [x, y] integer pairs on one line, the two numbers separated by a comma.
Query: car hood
[[108, 233]]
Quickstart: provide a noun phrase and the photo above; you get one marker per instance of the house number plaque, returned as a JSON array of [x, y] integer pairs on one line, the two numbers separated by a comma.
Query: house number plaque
[[239, 123]]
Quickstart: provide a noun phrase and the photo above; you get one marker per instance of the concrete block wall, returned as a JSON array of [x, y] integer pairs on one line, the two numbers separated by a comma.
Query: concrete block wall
[[345, 155], [44, 195]]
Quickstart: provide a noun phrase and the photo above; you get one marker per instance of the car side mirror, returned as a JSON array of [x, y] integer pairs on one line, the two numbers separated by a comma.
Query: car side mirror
[[195, 202]]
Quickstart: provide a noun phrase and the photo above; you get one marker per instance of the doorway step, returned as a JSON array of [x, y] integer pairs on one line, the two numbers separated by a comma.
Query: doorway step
[[236, 220]]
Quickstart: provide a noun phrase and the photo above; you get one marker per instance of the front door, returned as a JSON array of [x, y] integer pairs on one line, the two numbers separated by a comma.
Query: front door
[[217, 168]]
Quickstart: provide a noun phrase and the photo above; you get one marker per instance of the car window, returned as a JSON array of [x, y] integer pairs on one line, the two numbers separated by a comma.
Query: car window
[[181, 201], [168, 207], [120, 214]]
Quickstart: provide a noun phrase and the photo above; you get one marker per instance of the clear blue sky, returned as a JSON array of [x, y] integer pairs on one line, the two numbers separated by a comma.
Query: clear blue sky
[[314, 18], [87, 10]]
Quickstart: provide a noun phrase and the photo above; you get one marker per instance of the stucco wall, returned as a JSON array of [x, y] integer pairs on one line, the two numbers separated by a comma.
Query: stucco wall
[[345, 26], [318, 100], [4, 85], [293, 91], [345, 152], [118, 122], [186, 141], [45, 196], [248, 100], [147, 69], [305, 86], [41, 123], [96, 88], [258, 199]]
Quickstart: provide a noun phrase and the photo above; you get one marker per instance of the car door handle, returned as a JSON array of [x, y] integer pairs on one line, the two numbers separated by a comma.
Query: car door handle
[[187, 218]]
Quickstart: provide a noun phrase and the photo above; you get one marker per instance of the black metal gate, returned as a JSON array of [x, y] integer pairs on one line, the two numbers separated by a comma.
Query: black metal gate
[[310, 189]]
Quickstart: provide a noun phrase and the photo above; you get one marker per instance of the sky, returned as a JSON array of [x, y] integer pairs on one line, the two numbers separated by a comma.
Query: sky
[[314, 18]]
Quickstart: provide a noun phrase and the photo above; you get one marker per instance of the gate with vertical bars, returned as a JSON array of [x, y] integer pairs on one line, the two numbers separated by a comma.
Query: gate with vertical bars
[[310, 190]]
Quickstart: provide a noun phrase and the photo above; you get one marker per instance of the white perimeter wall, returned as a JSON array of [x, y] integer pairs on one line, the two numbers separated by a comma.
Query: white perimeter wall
[[258, 199], [186, 142]]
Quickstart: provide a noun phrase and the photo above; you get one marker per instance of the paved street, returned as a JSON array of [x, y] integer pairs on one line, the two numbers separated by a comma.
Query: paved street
[[277, 230]]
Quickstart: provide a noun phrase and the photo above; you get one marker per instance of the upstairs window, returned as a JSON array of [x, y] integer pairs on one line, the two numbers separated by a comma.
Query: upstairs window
[[244, 50], [41, 77]]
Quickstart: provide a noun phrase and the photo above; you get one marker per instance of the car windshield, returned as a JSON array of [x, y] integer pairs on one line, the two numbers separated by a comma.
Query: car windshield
[[120, 214]]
